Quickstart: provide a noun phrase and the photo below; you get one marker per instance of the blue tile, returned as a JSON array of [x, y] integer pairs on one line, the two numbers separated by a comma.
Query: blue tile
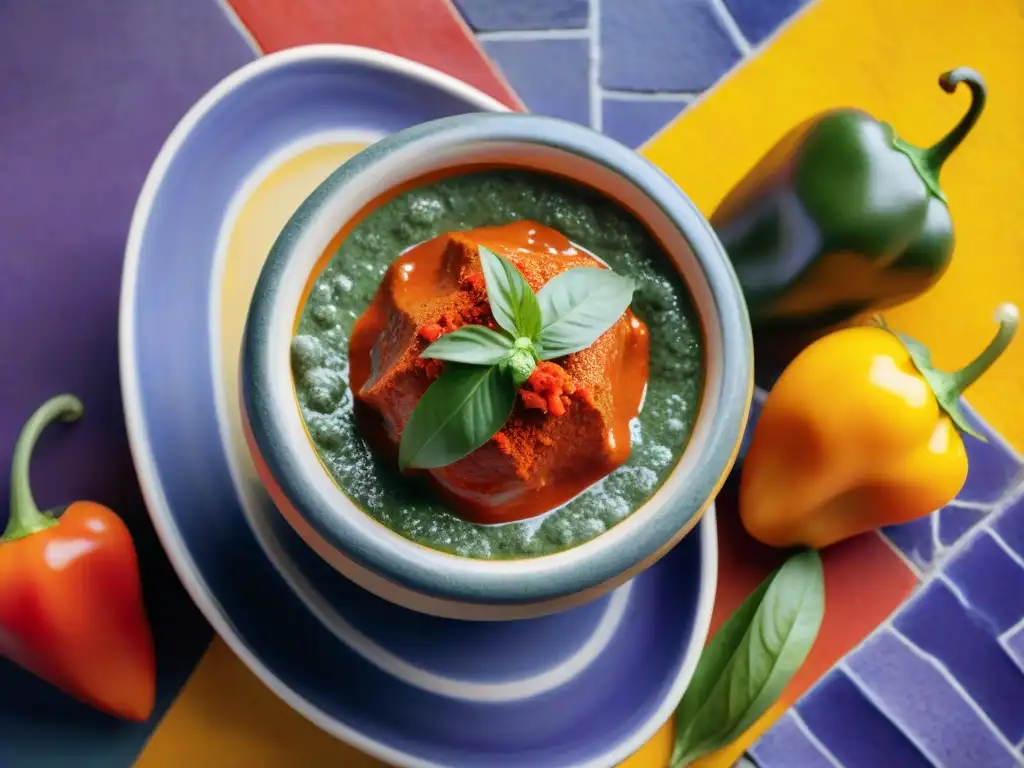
[[654, 45], [1010, 526], [939, 624], [956, 521], [785, 745], [925, 706], [759, 18], [992, 583], [551, 76], [915, 540], [634, 122], [494, 15], [1015, 645], [992, 469]]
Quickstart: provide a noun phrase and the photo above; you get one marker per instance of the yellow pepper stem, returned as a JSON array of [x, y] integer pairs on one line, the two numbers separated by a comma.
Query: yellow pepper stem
[[1008, 318], [948, 386]]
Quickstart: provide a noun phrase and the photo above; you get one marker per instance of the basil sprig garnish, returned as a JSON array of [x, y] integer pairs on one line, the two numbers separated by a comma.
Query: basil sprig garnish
[[751, 659], [473, 397]]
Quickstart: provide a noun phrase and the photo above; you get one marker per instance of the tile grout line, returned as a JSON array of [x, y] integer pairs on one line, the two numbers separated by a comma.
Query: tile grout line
[[1006, 548], [1018, 627], [999, 439], [594, 73], [732, 29], [817, 743], [878, 702], [1002, 642], [684, 97], [239, 26], [955, 684], [531, 35], [922, 575], [1009, 497]]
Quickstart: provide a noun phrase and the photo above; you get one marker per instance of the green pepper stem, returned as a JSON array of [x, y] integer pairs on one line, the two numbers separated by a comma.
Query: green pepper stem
[[1008, 318], [25, 517], [936, 155]]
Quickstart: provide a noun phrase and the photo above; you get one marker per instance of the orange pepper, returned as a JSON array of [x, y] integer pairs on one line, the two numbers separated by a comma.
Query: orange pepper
[[860, 431], [71, 608]]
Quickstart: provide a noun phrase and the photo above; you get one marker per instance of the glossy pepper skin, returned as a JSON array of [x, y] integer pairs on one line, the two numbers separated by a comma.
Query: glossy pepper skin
[[841, 217], [71, 608], [860, 431]]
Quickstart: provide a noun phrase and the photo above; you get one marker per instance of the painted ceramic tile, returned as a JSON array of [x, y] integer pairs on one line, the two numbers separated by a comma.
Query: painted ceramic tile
[[551, 76], [77, 136], [850, 728], [644, 60], [921, 699], [490, 15]]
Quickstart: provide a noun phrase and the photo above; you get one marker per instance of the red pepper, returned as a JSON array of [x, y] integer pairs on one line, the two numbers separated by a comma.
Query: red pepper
[[71, 608]]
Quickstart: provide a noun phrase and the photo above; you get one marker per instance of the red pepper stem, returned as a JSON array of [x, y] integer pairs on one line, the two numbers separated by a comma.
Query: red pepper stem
[[936, 155], [1008, 318], [25, 517]]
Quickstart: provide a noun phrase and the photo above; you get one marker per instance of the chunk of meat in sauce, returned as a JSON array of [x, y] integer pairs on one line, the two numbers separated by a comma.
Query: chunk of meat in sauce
[[570, 426]]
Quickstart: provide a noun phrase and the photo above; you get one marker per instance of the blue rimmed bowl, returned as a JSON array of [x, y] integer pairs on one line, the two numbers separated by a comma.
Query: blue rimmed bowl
[[431, 581]]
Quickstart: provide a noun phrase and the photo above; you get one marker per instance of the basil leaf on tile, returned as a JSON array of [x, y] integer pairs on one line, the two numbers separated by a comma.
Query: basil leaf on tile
[[475, 344], [750, 660], [579, 305], [458, 413], [513, 302]]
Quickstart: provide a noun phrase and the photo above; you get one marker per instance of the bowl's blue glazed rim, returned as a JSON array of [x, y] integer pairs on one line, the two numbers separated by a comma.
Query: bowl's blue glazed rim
[[539, 579]]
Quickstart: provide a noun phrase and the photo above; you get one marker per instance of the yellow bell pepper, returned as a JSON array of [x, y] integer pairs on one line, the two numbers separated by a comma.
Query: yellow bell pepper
[[860, 431]]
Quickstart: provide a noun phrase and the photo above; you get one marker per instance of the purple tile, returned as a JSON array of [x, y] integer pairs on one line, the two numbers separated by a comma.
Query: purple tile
[[551, 76], [915, 540], [992, 469], [634, 122], [759, 18], [939, 624], [852, 728], [954, 522], [785, 745], [1010, 526], [654, 45], [90, 92], [922, 703], [992, 583], [494, 15]]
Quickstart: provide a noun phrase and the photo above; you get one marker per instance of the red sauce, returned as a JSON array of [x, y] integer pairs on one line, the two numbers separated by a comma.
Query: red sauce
[[570, 426]]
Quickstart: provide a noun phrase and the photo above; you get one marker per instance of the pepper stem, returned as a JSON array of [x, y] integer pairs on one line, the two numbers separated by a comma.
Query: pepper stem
[[1008, 318], [25, 517], [936, 155]]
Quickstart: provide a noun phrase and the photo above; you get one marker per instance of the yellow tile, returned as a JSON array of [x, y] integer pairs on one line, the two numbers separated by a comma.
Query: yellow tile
[[885, 57], [226, 718]]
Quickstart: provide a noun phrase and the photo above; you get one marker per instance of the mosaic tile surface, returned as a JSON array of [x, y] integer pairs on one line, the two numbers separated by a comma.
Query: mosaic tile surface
[[626, 67]]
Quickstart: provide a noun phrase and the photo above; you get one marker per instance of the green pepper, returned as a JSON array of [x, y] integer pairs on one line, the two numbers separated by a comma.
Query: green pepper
[[842, 217]]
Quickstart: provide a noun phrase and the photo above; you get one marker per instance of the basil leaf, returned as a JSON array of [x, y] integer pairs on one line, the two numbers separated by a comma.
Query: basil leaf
[[513, 302], [579, 305], [475, 344], [751, 659], [521, 365], [458, 413]]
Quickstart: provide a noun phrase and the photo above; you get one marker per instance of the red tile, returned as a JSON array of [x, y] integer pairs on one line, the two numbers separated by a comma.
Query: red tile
[[428, 31], [864, 582]]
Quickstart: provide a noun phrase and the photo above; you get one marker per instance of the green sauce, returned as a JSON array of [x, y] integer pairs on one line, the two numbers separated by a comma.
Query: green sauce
[[489, 198]]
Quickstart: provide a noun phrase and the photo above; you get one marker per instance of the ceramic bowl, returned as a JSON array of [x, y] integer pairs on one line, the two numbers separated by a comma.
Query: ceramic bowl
[[425, 579]]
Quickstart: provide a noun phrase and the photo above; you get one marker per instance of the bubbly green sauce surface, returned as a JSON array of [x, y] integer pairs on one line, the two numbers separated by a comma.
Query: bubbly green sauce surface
[[489, 198]]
